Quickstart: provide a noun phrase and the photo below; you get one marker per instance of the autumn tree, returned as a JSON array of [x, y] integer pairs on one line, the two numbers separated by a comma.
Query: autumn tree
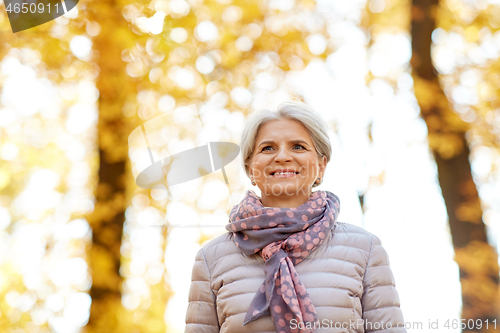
[[449, 136], [115, 89], [476, 258]]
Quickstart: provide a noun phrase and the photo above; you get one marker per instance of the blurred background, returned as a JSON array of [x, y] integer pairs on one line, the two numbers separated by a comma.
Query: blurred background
[[410, 91]]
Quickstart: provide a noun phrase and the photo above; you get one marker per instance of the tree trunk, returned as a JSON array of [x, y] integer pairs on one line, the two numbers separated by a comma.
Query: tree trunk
[[477, 260], [115, 87]]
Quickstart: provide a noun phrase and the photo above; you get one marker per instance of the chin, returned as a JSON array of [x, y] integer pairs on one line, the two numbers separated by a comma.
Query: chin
[[278, 190]]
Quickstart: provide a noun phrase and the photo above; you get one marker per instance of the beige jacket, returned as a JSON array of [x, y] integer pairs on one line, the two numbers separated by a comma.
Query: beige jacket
[[348, 278]]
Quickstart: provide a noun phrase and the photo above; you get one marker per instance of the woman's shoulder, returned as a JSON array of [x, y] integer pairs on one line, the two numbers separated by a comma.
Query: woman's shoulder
[[353, 235], [219, 246], [226, 237], [344, 227]]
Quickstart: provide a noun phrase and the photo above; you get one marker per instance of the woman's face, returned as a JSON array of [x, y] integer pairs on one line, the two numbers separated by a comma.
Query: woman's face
[[285, 144]]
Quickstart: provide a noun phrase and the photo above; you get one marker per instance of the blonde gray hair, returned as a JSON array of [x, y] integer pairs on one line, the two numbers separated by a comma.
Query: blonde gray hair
[[296, 110]]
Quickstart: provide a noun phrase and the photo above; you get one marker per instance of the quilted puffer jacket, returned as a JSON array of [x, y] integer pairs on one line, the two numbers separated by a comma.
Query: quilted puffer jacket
[[348, 278]]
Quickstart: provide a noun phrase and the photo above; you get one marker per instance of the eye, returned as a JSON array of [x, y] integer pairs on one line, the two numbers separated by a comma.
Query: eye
[[293, 146]]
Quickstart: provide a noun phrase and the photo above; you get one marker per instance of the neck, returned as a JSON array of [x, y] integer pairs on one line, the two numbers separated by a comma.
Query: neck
[[285, 201]]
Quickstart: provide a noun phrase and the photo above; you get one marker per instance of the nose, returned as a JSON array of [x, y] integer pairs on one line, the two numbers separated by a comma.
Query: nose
[[283, 155]]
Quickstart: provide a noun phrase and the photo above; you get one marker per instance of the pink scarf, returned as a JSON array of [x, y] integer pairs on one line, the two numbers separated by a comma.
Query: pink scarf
[[285, 236]]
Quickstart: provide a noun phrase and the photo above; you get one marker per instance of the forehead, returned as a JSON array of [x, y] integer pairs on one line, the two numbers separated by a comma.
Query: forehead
[[289, 129]]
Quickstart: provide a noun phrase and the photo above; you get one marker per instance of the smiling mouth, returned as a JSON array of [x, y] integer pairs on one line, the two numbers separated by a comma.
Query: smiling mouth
[[284, 174]]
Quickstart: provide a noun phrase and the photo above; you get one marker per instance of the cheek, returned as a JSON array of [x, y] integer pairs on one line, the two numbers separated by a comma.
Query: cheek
[[257, 170], [312, 170]]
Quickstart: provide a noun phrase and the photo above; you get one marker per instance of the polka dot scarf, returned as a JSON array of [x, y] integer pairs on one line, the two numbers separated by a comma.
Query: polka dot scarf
[[284, 237]]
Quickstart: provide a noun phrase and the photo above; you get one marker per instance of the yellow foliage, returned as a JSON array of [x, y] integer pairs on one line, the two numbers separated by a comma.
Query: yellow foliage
[[103, 269], [469, 212], [471, 34], [426, 93], [477, 259], [116, 315], [434, 123], [4, 178], [307, 4], [11, 281], [446, 145], [480, 263]]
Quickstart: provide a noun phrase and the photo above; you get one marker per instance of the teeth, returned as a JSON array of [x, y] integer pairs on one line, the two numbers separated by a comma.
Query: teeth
[[284, 173]]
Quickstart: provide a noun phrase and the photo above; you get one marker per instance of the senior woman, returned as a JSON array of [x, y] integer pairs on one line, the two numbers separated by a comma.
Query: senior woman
[[286, 264]]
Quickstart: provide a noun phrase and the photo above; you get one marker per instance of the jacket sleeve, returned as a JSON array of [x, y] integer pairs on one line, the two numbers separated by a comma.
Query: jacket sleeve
[[380, 300], [201, 315]]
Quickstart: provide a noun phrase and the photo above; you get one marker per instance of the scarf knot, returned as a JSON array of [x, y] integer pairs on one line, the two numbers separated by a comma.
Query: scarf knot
[[271, 249], [284, 237]]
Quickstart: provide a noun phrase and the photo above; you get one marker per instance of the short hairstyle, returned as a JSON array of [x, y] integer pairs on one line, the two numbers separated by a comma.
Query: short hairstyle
[[296, 110]]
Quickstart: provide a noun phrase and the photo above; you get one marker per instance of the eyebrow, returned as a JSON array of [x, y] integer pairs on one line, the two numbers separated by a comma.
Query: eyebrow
[[293, 141]]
